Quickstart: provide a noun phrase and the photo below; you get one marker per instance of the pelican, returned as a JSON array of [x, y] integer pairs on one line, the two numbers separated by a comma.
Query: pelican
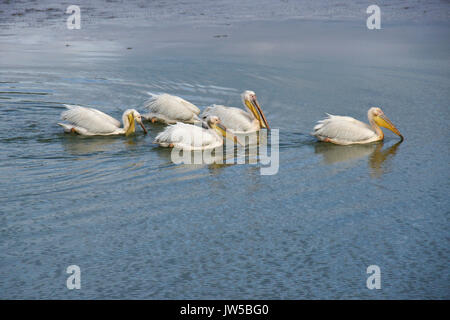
[[92, 122], [347, 130], [170, 109], [192, 137], [238, 120]]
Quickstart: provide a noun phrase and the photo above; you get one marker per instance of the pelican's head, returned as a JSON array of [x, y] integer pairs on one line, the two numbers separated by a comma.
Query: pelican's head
[[250, 101], [378, 116], [132, 115], [213, 122]]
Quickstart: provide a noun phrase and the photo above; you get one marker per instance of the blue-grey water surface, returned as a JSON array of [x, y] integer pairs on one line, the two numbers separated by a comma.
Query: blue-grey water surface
[[140, 226]]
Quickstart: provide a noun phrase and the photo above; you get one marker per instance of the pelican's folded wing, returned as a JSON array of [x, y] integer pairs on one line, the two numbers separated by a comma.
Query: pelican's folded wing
[[106, 117], [171, 107], [185, 136], [92, 120], [233, 118], [343, 129]]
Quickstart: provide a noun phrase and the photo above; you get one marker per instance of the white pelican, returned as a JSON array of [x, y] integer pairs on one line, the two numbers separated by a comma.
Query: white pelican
[[170, 109], [91, 122], [238, 120], [192, 137], [347, 130]]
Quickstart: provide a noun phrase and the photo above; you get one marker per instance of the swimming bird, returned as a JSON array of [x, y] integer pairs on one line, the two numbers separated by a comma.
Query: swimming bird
[[170, 109], [193, 137], [92, 122], [238, 120], [347, 130]]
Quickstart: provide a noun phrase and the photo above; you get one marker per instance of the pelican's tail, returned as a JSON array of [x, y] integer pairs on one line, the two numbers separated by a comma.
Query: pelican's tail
[[319, 125], [68, 128], [152, 95], [196, 119]]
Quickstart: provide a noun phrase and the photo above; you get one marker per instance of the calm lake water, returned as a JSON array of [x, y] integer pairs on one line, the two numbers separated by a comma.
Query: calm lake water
[[140, 226]]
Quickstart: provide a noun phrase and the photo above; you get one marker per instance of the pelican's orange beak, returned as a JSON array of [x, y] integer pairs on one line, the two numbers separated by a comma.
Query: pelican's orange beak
[[220, 128], [143, 127], [254, 107], [384, 122]]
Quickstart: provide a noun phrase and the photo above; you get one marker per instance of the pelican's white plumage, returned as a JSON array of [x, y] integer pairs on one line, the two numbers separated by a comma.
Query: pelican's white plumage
[[344, 129], [169, 109], [237, 120], [188, 137], [90, 122], [192, 137], [347, 130]]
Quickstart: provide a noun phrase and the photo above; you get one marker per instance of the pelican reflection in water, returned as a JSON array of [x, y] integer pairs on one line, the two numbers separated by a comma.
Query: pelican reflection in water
[[376, 154]]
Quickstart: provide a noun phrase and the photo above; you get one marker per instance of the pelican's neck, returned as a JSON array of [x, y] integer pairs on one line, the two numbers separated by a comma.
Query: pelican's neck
[[215, 133], [256, 125], [375, 127], [128, 124], [246, 108]]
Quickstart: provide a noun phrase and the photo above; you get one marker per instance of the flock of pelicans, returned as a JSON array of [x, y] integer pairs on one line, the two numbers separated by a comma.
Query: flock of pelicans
[[214, 123]]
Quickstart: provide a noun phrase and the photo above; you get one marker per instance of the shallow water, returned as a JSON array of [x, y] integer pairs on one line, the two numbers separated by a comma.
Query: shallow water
[[140, 226]]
